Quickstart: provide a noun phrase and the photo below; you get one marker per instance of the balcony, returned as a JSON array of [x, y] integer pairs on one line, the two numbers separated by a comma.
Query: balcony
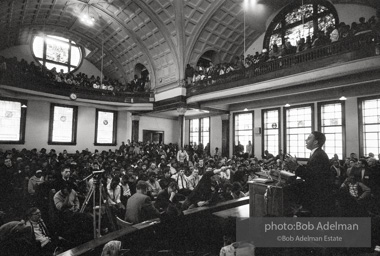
[[335, 54], [36, 85]]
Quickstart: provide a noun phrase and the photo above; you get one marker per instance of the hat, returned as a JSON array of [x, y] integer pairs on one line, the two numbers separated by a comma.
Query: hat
[[38, 171]]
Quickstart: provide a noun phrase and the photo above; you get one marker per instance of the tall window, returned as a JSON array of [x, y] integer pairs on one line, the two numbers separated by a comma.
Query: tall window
[[297, 21], [62, 125], [105, 131], [12, 121], [200, 130], [271, 130], [194, 131], [331, 123], [243, 129], [369, 126], [58, 52], [298, 126]]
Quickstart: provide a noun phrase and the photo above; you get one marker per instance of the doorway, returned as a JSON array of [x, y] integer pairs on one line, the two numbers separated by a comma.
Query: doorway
[[156, 137]]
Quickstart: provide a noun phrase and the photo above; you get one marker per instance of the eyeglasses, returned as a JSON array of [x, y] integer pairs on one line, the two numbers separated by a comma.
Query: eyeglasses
[[37, 213]]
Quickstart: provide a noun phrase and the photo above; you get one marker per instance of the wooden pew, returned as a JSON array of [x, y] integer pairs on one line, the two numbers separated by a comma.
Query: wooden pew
[[128, 230]]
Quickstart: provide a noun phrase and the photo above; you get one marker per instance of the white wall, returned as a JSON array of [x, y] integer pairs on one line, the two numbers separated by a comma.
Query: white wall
[[37, 129], [215, 133], [168, 126], [25, 52]]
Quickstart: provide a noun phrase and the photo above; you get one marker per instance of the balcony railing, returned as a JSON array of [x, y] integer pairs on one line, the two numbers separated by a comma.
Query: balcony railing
[[42, 84], [363, 44]]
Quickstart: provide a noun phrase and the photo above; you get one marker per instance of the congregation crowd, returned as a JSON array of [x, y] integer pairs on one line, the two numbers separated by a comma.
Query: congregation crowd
[[12, 69], [342, 31], [143, 181]]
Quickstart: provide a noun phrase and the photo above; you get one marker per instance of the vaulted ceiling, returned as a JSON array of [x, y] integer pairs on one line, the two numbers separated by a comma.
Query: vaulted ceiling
[[163, 35]]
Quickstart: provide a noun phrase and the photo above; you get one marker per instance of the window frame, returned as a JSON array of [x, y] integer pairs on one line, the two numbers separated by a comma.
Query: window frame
[[361, 124], [285, 126], [22, 121], [343, 105], [280, 18], [252, 112], [114, 125], [200, 130], [71, 68], [263, 128], [74, 126]]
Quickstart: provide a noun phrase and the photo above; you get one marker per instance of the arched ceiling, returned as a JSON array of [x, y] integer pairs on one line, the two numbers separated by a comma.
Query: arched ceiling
[[164, 35]]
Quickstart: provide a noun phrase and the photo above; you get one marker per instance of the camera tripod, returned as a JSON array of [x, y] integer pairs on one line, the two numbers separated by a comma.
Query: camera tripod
[[97, 191]]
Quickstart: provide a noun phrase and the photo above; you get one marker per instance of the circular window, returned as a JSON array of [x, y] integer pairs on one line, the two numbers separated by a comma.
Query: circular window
[[58, 52]]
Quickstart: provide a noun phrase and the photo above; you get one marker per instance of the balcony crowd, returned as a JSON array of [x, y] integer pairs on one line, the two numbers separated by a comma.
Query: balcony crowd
[[209, 71], [13, 70]]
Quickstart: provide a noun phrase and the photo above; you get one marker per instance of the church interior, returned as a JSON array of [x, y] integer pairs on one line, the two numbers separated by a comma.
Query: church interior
[[134, 90]]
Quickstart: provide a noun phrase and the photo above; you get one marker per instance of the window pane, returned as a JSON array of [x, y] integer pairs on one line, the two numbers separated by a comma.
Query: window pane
[[332, 127], [298, 128], [63, 121], [38, 47], [57, 51], [105, 127], [271, 131], [75, 56], [371, 126], [243, 129], [10, 120]]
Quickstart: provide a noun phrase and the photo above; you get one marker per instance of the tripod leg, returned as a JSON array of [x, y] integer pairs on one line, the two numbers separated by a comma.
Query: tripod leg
[[88, 196]]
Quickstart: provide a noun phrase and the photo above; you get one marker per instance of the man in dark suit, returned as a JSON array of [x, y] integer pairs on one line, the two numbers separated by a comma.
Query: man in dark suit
[[140, 207], [318, 193]]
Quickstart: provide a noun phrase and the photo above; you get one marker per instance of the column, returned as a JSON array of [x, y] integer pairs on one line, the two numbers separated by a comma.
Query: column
[[135, 127], [181, 121], [225, 134]]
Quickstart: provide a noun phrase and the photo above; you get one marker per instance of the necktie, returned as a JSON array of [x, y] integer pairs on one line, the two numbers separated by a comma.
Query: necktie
[[43, 228], [182, 182]]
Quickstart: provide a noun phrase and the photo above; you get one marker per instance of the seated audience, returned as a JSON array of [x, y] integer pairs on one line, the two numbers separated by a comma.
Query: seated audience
[[140, 207]]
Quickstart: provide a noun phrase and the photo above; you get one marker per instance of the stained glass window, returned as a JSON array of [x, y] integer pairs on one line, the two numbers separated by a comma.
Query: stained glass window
[[105, 133], [12, 121], [63, 124], [58, 52], [297, 21]]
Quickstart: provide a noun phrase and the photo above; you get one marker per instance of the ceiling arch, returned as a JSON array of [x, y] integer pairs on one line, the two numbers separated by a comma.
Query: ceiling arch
[[160, 34]]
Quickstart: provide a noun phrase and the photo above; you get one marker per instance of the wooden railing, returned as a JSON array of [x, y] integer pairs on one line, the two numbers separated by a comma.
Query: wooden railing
[[147, 225], [364, 43]]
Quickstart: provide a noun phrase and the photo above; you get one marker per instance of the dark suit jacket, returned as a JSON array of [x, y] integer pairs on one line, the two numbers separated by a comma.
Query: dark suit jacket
[[140, 208], [318, 193]]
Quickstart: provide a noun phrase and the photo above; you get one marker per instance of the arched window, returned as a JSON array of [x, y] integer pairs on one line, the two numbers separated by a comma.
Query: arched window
[[207, 57], [300, 20], [58, 52]]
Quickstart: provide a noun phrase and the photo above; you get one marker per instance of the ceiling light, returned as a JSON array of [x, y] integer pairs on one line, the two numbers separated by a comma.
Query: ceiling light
[[24, 106], [287, 105], [88, 20], [342, 98], [246, 109]]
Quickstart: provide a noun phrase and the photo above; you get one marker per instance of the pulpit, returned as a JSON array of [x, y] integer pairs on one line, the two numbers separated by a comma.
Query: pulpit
[[269, 199]]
